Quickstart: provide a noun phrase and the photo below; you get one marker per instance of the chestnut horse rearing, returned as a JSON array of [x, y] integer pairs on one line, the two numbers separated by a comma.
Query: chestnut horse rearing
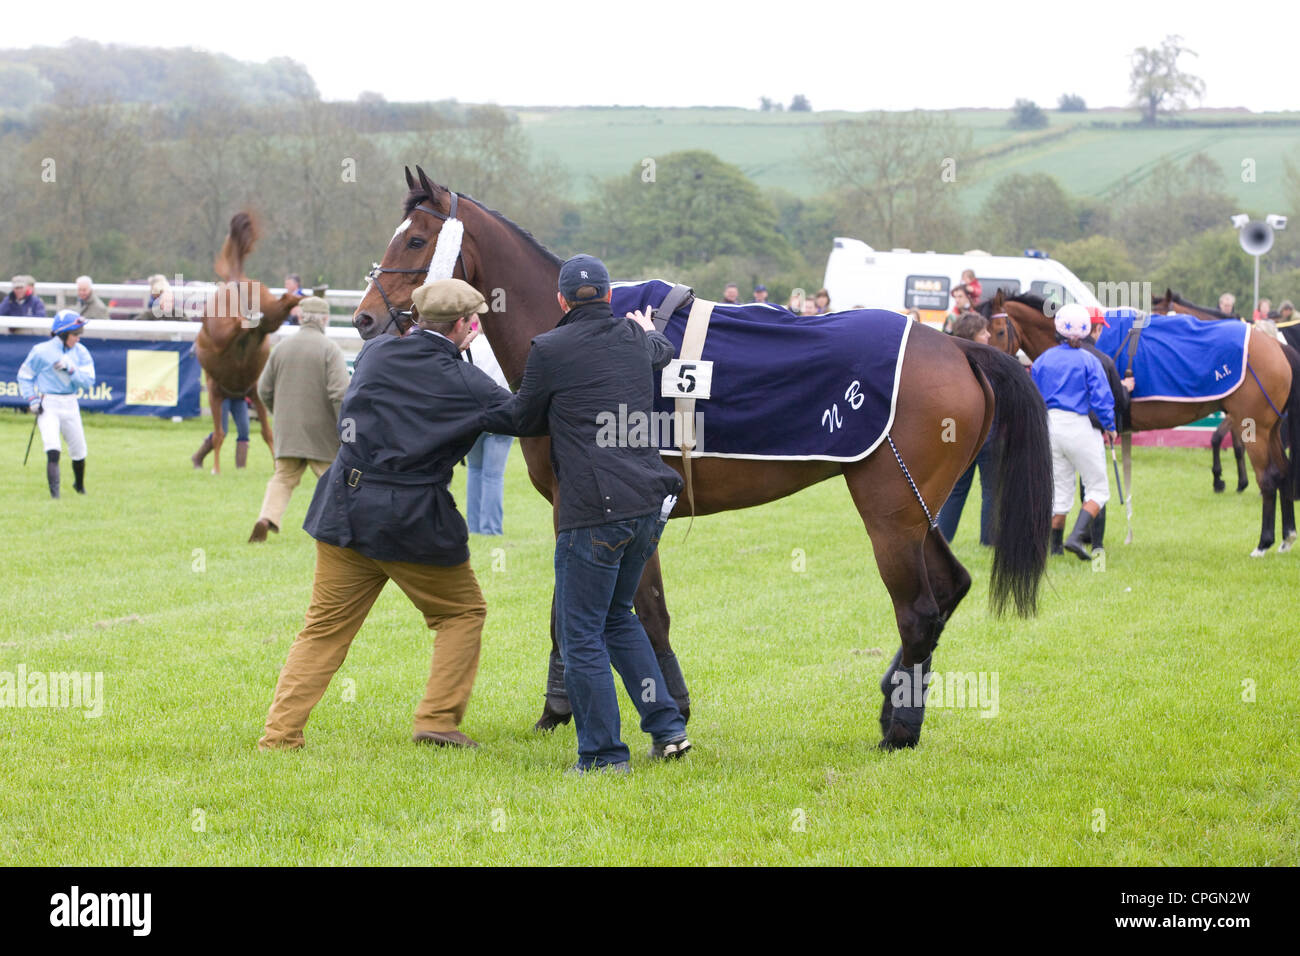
[[234, 343], [947, 393], [1272, 386]]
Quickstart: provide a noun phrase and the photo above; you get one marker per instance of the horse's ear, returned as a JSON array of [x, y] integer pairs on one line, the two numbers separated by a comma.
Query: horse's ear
[[410, 180], [429, 188], [997, 300], [1169, 296]]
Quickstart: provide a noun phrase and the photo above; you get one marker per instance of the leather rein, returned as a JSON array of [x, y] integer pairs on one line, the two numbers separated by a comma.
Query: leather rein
[[404, 319]]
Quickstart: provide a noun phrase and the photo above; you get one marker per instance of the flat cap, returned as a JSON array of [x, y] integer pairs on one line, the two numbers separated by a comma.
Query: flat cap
[[444, 299], [314, 303], [23, 281]]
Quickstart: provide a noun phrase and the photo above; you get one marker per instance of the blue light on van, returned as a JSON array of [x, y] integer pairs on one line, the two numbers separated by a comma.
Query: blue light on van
[[1035, 254]]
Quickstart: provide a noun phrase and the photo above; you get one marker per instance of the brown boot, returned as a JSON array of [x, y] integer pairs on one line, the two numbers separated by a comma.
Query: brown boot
[[202, 453], [241, 454]]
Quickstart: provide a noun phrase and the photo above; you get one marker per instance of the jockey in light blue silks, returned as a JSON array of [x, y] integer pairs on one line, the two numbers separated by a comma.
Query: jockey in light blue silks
[[49, 379]]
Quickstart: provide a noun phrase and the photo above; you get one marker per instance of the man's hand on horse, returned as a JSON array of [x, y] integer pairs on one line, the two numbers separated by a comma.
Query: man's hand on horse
[[642, 319]]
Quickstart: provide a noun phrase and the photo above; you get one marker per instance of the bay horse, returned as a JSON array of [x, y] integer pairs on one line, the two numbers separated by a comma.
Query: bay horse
[[234, 343], [1021, 322], [1172, 302], [943, 383]]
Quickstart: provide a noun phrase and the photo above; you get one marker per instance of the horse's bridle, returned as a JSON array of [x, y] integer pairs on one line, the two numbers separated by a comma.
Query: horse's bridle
[[1013, 339], [395, 315]]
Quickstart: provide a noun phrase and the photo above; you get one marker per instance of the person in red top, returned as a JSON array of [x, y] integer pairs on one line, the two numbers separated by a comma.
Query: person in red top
[[973, 287]]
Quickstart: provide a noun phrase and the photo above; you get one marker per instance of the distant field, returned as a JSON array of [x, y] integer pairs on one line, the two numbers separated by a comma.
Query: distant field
[[773, 149]]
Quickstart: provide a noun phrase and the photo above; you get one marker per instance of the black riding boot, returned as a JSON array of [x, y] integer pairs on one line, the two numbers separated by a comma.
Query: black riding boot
[[1058, 534], [1074, 543], [79, 476], [52, 471], [1099, 529]]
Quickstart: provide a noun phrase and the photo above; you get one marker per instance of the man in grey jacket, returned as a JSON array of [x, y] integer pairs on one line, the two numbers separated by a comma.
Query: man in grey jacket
[[303, 383]]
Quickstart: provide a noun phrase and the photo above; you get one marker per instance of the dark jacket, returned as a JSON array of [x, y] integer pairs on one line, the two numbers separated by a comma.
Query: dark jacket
[[30, 306], [1116, 387], [412, 410], [576, 378]]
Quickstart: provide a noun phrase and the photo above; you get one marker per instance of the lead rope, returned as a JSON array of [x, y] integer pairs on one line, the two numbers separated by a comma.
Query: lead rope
[[912, 484]]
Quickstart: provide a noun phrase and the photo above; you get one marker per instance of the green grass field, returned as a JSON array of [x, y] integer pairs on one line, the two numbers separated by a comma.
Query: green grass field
[[1123, 698], [774, 149]]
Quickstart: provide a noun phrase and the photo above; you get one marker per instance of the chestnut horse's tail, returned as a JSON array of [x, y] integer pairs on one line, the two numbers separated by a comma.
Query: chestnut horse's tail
[[1023, 505], [229, 264], [1293, 422]]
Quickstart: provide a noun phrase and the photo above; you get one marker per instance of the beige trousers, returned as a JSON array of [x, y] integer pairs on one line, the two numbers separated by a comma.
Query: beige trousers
[[347, 584], [288, 472]]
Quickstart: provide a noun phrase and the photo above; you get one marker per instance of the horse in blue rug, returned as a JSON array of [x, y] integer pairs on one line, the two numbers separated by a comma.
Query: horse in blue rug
[[1186, 369]]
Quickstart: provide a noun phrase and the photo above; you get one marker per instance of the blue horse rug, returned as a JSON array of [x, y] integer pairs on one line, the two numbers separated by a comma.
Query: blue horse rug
[[1179, 358], [814, 387]]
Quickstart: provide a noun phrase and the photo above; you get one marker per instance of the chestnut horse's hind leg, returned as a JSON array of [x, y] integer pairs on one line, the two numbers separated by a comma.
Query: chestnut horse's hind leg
[[214, 406]]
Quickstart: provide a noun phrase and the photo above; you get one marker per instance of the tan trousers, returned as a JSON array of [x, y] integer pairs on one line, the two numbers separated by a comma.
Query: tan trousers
[[346, 586], [288, 472]]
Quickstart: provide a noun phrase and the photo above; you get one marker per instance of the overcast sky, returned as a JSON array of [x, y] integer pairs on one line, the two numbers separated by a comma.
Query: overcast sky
[[901, 54]]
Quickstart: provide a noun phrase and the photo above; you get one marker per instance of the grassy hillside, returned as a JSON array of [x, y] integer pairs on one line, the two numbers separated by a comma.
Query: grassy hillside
[[773, 149]]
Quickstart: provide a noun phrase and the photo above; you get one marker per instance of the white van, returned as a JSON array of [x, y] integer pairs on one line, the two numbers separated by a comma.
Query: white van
[[859, 277]]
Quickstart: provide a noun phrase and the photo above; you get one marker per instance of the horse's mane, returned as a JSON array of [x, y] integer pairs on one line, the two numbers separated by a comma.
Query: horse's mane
[[1179, 300], [418, 195], [1031, 299]]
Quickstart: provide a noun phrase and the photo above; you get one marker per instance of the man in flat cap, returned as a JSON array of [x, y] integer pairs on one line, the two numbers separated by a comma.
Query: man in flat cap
[[383, 511], [303, 384], [23, 300]]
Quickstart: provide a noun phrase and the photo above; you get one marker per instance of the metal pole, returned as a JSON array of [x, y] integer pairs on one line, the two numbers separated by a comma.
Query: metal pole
[[1256, 309]]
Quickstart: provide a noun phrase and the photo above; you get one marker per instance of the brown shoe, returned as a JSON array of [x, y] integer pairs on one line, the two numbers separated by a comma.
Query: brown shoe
[[444, 738]]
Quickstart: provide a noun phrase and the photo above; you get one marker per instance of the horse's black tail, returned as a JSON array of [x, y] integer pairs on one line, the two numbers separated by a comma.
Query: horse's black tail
[[1293, 422], [1023, 504]]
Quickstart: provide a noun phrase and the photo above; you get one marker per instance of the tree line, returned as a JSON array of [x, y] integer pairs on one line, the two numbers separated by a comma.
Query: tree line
[[124, 190]]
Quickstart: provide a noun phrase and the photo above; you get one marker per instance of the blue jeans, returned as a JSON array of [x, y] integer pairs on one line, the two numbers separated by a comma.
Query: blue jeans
[[485, 489], [237, 408], [950, 513], [596, 573]]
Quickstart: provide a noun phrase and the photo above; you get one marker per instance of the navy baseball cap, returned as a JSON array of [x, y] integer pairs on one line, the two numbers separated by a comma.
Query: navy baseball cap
[[583, 271], [760, 288]]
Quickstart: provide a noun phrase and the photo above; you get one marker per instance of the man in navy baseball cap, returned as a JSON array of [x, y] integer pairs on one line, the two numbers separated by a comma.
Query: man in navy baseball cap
[[613, 498], [583, 279]]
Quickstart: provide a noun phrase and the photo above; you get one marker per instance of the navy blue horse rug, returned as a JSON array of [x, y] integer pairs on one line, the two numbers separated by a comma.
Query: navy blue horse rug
[[814, 387], [1180, 358]]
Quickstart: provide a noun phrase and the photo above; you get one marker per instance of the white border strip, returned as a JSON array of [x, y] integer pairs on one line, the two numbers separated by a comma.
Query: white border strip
[[893, 409]]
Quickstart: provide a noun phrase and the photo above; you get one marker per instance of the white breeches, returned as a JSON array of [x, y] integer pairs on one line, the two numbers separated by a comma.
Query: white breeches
[[1077, 449], [62, 416]]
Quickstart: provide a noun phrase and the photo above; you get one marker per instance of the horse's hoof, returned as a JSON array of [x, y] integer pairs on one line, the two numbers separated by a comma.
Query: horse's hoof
[[1291, 535], [550, 720], [1284, 547], [1259, 552], [1219, 486], [1242, 486], [898, 742]]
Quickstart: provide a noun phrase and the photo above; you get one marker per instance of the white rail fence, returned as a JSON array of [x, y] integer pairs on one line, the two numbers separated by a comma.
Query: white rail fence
[[133, 297]]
